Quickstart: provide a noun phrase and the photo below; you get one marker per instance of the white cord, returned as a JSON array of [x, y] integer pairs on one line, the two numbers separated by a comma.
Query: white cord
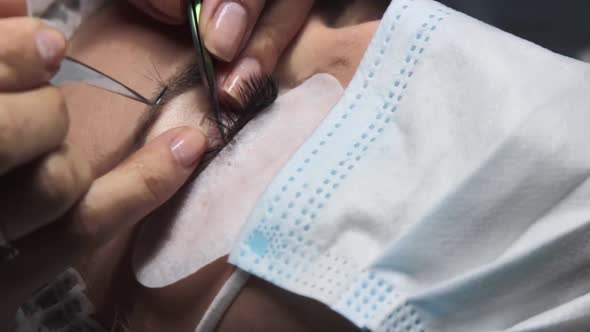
[[227, 294]]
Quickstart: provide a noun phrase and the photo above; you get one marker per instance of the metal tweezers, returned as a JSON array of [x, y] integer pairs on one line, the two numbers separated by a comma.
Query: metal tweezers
[[204, 59], [72, 70]]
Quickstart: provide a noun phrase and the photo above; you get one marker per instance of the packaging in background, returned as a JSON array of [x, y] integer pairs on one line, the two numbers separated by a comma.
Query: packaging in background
[[65, 15]]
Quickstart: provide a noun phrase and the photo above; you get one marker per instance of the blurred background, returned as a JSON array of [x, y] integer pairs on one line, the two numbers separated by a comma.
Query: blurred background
[[562, 26]]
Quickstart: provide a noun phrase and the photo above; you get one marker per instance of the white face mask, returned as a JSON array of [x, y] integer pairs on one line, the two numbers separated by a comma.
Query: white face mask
[[447, 190]]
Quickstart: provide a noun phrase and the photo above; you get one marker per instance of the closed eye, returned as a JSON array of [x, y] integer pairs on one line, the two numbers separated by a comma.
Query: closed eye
[[258, 92]]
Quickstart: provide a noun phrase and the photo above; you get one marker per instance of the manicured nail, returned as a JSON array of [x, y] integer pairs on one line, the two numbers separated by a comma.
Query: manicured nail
[[51, 46], [226, 31], [188, 147], [235, 82]]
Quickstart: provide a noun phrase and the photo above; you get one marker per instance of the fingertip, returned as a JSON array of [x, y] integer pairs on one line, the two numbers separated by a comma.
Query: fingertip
[[51, 46], [31, 52], [142, 183], [226, 33], [188, 146]]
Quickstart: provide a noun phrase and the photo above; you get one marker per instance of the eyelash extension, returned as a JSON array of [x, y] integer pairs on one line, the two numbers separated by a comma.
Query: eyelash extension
[[155, 77], [160, 97], [258, 93]]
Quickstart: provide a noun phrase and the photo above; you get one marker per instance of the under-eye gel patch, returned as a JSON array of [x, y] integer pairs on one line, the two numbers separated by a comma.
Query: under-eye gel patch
[[201, 223]]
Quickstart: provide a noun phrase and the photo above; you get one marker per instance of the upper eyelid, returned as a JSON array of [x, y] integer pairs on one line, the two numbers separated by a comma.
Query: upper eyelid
[[259, 92], [180, 82]]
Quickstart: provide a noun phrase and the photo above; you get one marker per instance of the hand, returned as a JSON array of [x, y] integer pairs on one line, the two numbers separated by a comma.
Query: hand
[[40, 177], [52, 209], [250, 35], [13, 8]]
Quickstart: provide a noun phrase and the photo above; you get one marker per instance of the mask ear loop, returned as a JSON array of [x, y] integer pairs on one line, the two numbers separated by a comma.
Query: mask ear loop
[[226, 296]]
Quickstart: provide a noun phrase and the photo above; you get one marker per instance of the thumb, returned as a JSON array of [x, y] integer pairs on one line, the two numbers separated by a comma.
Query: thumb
[[139, 185], [115, 201]]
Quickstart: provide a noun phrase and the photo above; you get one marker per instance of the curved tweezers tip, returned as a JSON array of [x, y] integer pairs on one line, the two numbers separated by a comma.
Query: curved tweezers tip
[[132, 93]]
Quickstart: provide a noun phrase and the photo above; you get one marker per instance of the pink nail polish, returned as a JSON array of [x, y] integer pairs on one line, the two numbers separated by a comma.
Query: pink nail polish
[[188, 147], [245, 69], [226, 31]]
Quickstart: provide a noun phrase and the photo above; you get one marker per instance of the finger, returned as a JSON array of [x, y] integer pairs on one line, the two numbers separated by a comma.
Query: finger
[[227, 25], [40, 193], [29, 53], [114, 202], [126, 195], [31, 123], [275, 30], [10, 8], [166, 11]]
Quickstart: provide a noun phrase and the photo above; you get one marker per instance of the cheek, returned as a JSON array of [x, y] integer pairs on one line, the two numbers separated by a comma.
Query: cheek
[[102, 125], [178, 307]]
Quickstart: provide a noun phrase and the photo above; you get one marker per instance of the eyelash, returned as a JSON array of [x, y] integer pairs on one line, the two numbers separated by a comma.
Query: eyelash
[[258, 92]]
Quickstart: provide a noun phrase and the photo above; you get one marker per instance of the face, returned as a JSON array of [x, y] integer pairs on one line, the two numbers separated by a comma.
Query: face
[[148, 56]]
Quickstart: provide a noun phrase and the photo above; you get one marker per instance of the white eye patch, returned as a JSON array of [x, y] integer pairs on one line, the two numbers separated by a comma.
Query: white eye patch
[[202, 223]]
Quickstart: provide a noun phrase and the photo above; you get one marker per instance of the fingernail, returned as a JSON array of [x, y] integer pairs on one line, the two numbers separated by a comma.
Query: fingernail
[[51, 46], [226, 31], [188, 147], [235, 82]]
